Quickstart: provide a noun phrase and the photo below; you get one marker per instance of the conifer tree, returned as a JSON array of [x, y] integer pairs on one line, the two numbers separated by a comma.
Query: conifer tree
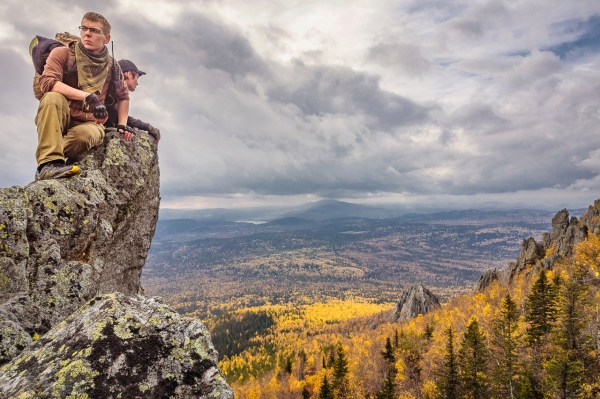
[[568, 363], [448, 375], [341, 384], [505, 340], [428, 333], [472, 358], [388, 391], [331, 358], [326, 391], [388, 352], [541, 310], [396, 339], [301, 364], [289, 362], [305, 393]]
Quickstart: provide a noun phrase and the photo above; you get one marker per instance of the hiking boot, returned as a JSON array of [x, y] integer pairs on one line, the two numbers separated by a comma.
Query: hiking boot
[[54, 171]]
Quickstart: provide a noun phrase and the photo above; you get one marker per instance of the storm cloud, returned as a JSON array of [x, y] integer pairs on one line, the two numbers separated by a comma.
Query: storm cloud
[[342, 100]]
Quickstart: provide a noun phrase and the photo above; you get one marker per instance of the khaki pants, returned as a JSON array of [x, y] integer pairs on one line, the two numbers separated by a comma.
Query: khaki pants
[[58, 135]]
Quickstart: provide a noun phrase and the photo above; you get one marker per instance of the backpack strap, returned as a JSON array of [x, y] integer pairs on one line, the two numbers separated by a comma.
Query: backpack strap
[[71, 66]]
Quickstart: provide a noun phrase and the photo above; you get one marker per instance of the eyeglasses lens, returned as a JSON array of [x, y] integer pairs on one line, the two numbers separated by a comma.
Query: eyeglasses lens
[[92, 30]]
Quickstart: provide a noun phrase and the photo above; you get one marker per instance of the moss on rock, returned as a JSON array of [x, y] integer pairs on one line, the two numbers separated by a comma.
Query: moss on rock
[[131, 356]]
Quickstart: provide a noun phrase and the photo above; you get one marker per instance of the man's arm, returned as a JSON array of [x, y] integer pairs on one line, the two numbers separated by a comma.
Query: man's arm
[[122, 114], [138, 124], [70, 92], [51, 78], [154, 132], [74, 94]]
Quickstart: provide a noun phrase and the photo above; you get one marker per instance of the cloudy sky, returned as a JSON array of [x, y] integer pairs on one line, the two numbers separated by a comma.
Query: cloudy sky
[[285, 101]]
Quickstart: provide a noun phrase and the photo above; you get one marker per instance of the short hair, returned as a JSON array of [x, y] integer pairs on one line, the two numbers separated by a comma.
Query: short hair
[[95, 17]]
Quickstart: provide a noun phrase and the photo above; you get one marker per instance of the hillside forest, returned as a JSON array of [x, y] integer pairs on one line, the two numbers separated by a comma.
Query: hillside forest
[[286, 330], [538, 338]]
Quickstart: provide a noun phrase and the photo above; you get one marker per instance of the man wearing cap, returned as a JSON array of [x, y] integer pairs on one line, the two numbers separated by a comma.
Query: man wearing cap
[[131, 74], [71, 111]]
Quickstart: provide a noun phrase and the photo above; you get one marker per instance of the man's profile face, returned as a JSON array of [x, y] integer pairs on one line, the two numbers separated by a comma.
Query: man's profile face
[[93, 42], [131, 80]]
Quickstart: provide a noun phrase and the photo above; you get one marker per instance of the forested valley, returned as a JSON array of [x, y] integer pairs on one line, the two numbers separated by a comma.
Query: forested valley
[[291, 331]]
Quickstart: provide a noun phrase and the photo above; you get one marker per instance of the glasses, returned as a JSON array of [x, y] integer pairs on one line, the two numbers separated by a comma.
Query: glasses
[[92, 30]]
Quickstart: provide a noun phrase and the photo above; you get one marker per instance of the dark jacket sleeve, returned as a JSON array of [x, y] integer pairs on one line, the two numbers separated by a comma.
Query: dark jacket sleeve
[[131, 121]]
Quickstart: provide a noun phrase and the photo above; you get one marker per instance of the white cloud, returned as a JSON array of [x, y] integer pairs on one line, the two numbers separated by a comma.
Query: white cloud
[[356, 99]]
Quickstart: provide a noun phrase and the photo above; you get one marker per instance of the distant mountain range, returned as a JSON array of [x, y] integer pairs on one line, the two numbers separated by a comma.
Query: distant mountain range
[[332, 209], [320, 210]]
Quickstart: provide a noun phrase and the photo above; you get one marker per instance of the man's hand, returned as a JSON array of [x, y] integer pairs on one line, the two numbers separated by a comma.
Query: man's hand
[[99, 110], [128, 132], [154, 132]]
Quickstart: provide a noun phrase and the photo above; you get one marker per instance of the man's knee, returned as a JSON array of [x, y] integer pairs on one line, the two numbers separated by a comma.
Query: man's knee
[[91, 133], [53, 98], [53, 115], [82, 138]]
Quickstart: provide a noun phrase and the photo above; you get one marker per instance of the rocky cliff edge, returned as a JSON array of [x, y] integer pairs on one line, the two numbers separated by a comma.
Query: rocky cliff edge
[[68, 242], [558, 244]]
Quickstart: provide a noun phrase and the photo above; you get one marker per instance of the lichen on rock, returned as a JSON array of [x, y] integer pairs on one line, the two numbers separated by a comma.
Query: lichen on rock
[[110, 348], [73, 323], [64, 241]]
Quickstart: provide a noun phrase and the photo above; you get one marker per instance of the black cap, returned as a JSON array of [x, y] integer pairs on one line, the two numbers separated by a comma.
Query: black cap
[[128, 66]]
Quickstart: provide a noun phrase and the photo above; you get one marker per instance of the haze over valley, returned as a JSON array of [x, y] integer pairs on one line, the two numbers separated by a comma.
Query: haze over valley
[[328, 249]]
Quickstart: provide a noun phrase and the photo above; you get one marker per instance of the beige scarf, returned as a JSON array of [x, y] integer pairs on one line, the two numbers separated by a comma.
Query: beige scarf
[[92, 69]]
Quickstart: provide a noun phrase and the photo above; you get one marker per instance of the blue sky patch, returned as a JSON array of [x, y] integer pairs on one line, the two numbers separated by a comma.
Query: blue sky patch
[[587, 33]]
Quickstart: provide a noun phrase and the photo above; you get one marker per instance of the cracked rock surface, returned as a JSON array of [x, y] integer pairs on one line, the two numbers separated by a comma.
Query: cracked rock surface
[[414, 301], [119, 346], [65, 242], [557, 244]]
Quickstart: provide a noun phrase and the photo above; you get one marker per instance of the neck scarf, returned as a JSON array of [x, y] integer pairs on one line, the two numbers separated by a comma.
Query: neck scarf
[[92, 69]]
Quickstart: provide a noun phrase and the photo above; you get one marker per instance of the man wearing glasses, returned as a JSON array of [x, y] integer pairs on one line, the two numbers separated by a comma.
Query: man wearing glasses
[[71, 112]]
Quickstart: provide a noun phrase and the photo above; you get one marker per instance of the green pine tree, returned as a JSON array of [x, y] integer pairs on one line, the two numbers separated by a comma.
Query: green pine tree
[[472, 359], [341, 383], [541, 310], [567, 366], [448, 374], [331, 358], [388, 390], [388, 352], [428, 333], [289, 362], [305, 393], [326, 391], [505, 341]]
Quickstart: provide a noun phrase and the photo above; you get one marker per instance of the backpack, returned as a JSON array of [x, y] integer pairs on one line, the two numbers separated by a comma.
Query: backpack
[[40, 48]]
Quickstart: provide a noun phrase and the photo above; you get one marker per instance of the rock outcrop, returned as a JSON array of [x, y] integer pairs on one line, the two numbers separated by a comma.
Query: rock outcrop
[[557, 244], [65, 242], [414, 301], [118, 346]]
